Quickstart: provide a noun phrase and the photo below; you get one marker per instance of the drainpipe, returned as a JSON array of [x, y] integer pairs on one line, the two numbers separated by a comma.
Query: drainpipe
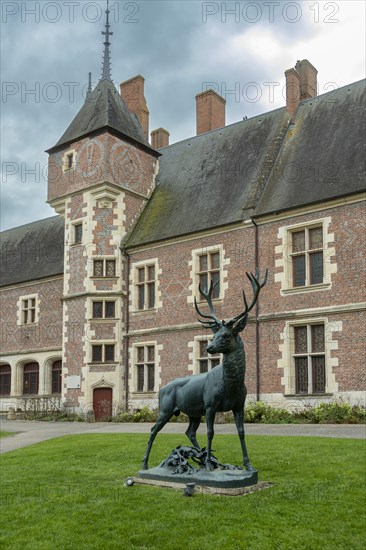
[[127, 322], [257, 342]]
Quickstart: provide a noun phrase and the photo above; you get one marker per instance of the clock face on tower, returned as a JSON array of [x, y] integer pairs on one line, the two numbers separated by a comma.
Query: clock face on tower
[[90, 160], [126, 166]]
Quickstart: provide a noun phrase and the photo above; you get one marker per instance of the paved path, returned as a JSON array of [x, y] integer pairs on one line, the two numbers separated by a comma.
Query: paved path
[[34, 432]]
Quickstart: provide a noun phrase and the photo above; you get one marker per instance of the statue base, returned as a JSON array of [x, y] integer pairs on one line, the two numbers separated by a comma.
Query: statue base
[[180, 468], [222, 479]]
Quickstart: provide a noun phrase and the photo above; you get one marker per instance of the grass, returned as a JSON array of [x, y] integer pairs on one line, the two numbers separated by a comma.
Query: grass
[[68, 493]]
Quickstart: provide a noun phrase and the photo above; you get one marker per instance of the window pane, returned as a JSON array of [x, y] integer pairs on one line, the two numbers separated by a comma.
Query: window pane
[[109, 353], [203, 263], [299, 270], [151, 291], [151, 273], [203, 283], [140, 355], [97, 310], [33, 302], [298, 241], [317, 338], [301, 374], [150, 378], [25, 316], [141, 297], [5, 379], [150, 354], [203, 345], [316, 268], [56, 377], [203, 365], [316, 238], [78, 233], [140, 378], [110, 308], [98, 268], [215, 277], [318, 364], [141, 274], [32, 316], [215, 260], [110, 268], [96, 354], [301, 340]]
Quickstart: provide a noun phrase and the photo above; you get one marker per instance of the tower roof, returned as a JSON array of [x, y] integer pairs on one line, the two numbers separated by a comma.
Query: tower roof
[[104, 108]]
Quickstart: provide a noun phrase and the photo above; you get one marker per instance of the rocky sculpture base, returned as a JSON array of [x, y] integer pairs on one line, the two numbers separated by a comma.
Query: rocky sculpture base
[[177, 468]]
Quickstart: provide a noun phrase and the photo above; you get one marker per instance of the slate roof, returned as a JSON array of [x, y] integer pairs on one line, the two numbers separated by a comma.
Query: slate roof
[[211, 180], [32, 251], [323, 156], [259, 166], [104, 108]]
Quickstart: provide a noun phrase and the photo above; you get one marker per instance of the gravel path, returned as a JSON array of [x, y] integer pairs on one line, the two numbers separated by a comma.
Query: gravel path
[[29, 432]]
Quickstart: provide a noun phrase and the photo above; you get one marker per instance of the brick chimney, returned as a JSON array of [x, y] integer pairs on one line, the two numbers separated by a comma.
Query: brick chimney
[[132, 91], [301, 83], [308, 79], [210, 111], [292, 91], [159, 138]]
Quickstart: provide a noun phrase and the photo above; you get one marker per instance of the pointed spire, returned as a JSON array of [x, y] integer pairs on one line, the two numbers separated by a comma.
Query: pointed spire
[[106, 69]]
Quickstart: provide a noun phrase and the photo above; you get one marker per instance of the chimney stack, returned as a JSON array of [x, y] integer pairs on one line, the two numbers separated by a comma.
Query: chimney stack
[[308, 79], [132, 92], [159, 138], [210, 111], [301, 83]]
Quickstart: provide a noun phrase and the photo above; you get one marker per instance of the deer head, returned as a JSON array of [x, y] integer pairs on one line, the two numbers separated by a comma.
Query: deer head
[[226, 331]]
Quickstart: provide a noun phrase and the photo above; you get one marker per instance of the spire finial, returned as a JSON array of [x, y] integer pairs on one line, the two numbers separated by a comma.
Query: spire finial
[[106, 69], [90, 89]]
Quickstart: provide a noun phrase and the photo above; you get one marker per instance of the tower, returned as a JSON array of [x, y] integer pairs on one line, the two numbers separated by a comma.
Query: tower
[[101, 174]]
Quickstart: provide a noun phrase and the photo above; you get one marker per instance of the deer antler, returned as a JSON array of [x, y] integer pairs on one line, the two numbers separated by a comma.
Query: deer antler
[[208, 298], [256, 286]]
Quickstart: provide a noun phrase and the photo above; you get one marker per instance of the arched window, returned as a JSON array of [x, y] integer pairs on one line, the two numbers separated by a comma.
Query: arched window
[[56, 377], [5, 379], [30, 379]]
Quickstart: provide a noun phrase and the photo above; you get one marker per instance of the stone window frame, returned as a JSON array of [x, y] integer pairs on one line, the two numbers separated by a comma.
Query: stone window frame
[[103, 301], [136, 266], [71, 153], [21, 309], [104, 259], [102, 343], [285, 276], [195, 270], [287, 349], [194, 354], [74, 225], [133, 353]]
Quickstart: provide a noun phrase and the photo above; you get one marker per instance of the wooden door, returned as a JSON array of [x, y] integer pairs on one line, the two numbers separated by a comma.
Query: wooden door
[[102, 403]]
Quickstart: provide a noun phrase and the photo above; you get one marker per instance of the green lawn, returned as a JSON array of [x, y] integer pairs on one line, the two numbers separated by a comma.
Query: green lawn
[[68, 493]]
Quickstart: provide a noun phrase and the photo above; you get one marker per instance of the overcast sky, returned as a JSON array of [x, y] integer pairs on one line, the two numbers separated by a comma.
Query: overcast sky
[[241, 49]]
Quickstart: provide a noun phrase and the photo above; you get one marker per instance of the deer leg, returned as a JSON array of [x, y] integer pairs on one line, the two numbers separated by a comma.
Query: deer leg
[[210, 420], [162, 420], [239, 421], [191, 431]]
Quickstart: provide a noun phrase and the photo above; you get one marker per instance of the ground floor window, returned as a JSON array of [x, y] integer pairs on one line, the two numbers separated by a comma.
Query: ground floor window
[[145, 368], [205, 362], [30, 379], [56, 377], [309, 359], [5, 379]]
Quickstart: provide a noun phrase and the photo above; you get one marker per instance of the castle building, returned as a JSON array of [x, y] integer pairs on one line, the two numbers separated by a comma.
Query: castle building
[[97, 303]]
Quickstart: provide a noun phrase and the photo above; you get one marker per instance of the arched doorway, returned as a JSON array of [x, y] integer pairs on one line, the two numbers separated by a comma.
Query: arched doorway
[[102, 403]]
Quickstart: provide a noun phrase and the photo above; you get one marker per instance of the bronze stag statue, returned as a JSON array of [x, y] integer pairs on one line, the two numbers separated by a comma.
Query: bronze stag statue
[[219, 390]]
